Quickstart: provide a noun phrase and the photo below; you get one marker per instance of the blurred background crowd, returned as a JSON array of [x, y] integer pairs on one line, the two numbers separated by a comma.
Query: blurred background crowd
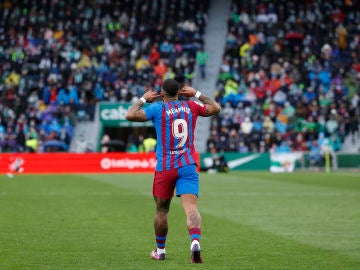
[[289, 78], [58, 58]]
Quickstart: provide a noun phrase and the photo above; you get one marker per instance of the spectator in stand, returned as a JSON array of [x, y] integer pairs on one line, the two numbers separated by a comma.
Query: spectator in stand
[[300, 143], [149, 144], [154, 56], [315, 154], [332, 124], [268, 124], [160, 69], [246, 126], [233, 141], [201, 58], [243, 149], [104, 140], [131, 147], [283, 148], [31, 143]]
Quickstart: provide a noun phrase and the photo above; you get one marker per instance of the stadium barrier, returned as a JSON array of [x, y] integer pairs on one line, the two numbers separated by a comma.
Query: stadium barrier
[[276, 163], [142, 162]]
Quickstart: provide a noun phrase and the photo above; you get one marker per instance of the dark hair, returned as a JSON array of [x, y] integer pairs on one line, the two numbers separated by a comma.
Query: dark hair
[[171, 87]]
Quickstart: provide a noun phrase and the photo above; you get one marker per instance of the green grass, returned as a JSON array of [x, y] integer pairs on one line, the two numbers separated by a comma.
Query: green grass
[[251, 220]]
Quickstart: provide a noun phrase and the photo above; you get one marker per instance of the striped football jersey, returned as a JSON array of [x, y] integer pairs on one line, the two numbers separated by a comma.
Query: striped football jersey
[[175, 125]]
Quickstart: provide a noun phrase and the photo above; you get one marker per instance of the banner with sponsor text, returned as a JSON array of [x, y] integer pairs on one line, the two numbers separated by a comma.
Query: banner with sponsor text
[[113, 115]]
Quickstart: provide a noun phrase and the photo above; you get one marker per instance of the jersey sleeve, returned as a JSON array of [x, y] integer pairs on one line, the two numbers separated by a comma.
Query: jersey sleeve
[[198, 108], [152, 111]]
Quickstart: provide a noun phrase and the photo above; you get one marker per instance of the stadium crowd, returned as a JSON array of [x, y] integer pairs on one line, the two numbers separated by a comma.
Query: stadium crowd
[[58, 58], [290, 77]]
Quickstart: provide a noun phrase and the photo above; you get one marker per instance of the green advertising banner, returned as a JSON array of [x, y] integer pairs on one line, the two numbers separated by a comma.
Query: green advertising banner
[[348, 160], [113, 115], [237, 161]]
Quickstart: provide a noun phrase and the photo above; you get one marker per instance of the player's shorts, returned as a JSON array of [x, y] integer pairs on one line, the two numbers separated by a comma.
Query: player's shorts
[[184, 179]]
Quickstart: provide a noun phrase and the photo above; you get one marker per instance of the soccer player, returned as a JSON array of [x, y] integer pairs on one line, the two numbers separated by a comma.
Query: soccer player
[[175, 122]]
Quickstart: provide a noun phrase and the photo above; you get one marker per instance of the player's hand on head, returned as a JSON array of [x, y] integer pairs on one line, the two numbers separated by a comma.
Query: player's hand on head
[[187, 91], [150, 95]]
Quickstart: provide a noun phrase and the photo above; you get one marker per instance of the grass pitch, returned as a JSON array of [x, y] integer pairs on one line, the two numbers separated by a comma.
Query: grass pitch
[[251, 220]]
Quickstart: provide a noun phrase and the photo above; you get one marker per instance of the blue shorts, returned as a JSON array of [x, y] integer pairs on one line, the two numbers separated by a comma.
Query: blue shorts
[[184, 179]]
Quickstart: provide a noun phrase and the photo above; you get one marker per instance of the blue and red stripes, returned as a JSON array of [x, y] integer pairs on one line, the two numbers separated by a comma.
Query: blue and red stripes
[[173, 140], [185, 157], [168, 154], [195, 234], [192, 122], [164, 137], [160, 241]]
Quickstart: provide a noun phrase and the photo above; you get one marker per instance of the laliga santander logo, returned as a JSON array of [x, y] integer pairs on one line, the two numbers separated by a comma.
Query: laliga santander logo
[[112, 163], [17, 165]]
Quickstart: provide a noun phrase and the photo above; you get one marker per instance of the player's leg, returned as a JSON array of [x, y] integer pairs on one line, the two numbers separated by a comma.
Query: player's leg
[[187, 187], [193, 218], [193, 222], [161, 227], [163, 191]]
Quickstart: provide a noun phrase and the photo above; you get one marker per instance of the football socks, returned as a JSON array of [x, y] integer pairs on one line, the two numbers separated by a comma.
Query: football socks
[[195, 235], [160, 243]]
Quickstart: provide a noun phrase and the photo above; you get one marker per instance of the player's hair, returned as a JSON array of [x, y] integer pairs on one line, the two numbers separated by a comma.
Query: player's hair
[[171, 87]]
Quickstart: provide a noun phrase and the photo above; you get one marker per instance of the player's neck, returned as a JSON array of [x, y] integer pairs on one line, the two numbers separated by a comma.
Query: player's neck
[[170, 99]]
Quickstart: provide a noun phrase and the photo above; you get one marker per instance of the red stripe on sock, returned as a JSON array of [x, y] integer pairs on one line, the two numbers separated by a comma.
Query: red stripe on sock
[[195, 231], [160, 241]]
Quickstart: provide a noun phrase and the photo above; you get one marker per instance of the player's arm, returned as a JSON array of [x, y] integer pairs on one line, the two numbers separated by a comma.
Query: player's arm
[[212, 107], [136, 112]]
